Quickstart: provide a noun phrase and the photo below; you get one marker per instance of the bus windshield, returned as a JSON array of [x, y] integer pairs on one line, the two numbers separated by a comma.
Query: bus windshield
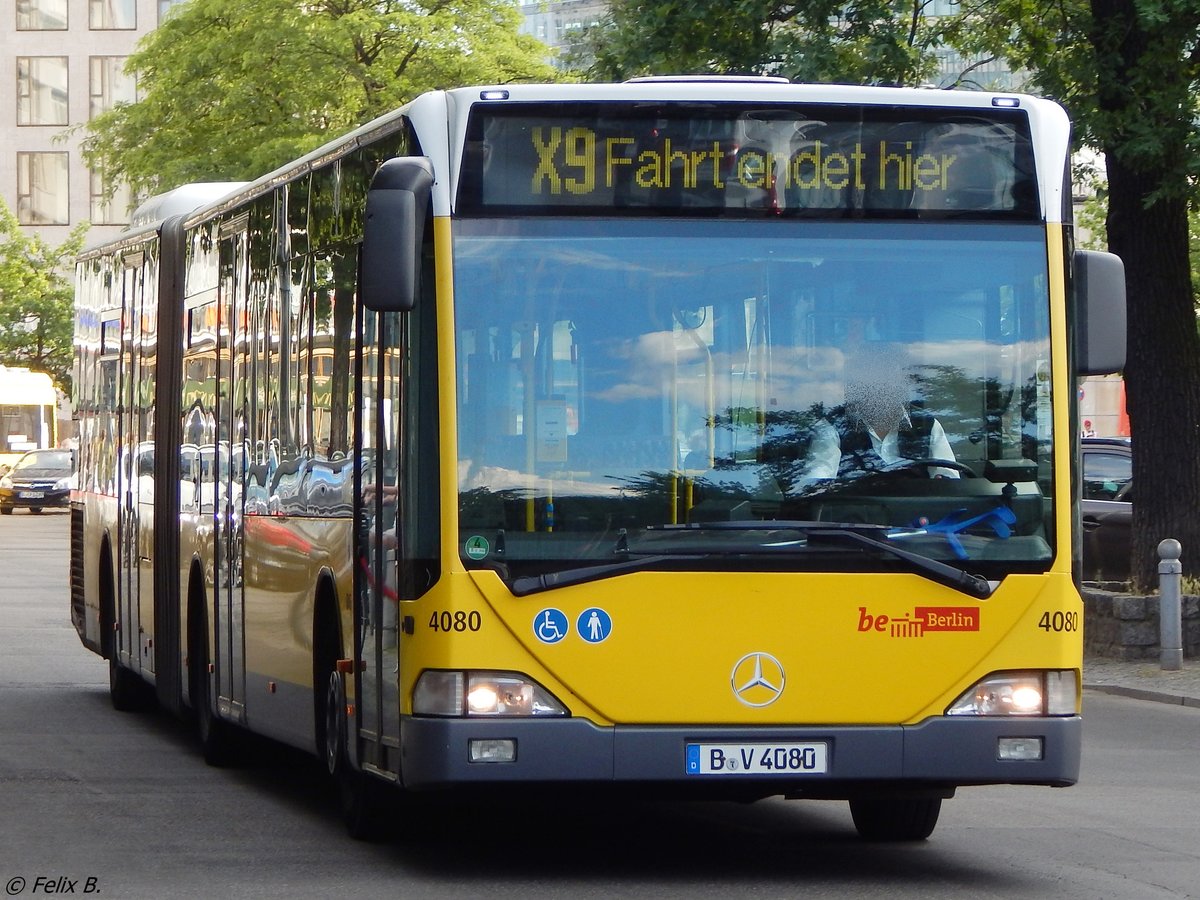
[[27, 412], [25, 426], [707, 393]]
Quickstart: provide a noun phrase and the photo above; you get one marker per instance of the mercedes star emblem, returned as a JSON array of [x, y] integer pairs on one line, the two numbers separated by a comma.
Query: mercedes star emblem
[[757, 679]]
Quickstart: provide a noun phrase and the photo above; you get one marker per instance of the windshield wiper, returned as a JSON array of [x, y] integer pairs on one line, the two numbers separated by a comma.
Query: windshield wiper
[[532, 584], [856, 533], [950, 576], [851, 533]]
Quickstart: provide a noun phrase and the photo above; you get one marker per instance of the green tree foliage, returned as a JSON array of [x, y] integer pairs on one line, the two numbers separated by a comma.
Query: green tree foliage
[[1092, 233], [876, 41], [36, 300], [1128, 72], [230, 89]]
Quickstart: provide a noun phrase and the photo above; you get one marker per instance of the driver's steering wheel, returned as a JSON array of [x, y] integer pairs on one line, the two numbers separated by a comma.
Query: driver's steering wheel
[[905, 465]]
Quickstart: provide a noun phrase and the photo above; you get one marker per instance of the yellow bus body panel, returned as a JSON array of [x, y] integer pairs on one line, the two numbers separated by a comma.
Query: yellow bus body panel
[[853, 649]]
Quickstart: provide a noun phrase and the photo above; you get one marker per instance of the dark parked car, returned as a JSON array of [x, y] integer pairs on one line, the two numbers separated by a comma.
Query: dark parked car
[[1107, 508], [39, 479]]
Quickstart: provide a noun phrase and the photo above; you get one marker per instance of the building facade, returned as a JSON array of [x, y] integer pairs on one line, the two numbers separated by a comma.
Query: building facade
[[553, 22], [63, 62]]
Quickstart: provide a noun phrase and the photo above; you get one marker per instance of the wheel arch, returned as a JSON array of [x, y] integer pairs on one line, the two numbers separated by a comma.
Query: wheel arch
[[196, 624], [106, 590]]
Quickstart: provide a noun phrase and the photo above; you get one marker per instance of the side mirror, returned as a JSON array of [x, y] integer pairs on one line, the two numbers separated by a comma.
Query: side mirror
[[5, 468], [393, 233], [1099, 313]]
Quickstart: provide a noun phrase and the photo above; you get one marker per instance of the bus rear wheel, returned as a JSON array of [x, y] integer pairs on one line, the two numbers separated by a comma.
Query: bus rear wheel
[[895, 817]]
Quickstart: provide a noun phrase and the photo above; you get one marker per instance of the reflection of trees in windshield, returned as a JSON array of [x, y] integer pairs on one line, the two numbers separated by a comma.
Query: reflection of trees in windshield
[[626, 503], [678, 372], [985, 418], [754, 468], [784, 440]]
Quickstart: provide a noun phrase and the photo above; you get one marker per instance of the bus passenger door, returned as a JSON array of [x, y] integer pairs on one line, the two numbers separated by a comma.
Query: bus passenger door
[[229, 461], [378, 403], [129, 626], [141, 451]]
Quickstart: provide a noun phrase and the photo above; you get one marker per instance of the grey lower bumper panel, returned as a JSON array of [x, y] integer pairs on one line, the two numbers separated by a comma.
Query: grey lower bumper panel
[[945, 751]]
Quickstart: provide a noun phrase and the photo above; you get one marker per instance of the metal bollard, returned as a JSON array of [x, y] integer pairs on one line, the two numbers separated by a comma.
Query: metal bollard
[[1170, 614]]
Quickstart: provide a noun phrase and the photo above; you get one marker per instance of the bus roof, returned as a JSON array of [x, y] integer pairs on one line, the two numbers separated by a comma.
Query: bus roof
[[181, 200], [439, 115]]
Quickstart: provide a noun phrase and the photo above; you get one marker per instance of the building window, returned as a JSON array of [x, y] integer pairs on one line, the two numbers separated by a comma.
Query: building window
[[108, 84], [41, 15], [165, 7], [42, 197], [943, 8], [41, 90], [111, 15], [107, 210]]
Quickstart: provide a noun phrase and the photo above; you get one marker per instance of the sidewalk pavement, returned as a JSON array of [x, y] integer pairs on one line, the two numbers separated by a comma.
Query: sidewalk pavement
[[1144, 679]]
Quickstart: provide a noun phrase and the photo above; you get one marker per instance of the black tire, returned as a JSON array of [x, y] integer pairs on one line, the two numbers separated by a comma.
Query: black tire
[[126, 690], [359, 795], [218, 739], [6, 510], [35, 510], [895, 817], [334, 718]]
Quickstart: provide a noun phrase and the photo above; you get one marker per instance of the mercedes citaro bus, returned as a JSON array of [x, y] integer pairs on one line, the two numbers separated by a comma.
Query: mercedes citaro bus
[[710, 435]]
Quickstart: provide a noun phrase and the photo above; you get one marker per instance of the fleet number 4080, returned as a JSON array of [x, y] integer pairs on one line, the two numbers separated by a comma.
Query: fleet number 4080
[[1059, 621], [444, 620]]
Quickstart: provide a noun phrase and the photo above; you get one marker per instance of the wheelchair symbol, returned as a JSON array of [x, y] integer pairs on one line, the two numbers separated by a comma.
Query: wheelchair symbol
[[550, 626]]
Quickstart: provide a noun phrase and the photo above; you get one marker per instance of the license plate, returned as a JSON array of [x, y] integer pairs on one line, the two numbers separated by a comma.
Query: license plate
[[31, 495], [757, 759]]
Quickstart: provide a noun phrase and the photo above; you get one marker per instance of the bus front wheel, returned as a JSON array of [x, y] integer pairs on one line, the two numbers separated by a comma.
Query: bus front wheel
[[126, 690], [358, 793], [895, 817], [218, 742]]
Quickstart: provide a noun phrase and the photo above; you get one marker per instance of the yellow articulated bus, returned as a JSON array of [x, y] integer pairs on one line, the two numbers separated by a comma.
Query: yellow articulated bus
[[710, 436], [28, 417]]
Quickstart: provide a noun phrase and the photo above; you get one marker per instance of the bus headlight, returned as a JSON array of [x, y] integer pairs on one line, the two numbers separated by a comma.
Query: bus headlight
[[1053, 693], [488, 694]]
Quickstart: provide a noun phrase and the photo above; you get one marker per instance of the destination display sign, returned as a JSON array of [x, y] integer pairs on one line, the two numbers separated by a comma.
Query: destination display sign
[[719, 159]]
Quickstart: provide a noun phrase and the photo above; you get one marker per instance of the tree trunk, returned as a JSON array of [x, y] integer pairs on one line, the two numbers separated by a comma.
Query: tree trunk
[[1163, 360], [1145, 123]]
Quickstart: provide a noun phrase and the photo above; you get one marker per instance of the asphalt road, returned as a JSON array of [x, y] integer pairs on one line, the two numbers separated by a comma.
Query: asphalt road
[[99, 803]]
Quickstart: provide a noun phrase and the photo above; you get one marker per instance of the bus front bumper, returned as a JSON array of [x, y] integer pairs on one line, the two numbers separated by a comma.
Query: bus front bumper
[[946, 751]]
